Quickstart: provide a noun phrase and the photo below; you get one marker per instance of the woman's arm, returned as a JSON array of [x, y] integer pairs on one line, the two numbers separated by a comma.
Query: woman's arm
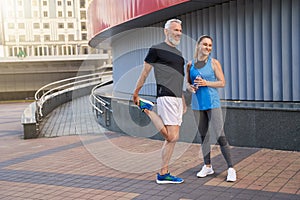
[[220, 83], [190, 87]]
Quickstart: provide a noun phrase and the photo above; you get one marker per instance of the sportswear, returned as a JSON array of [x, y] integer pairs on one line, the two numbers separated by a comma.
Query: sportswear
[[168, 66], [205, 98]]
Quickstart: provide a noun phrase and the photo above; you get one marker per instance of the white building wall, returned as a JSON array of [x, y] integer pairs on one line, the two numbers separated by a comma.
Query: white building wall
[[45, 27]]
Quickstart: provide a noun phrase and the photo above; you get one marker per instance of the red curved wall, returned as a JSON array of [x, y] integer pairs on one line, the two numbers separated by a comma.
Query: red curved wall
[[104, 14]]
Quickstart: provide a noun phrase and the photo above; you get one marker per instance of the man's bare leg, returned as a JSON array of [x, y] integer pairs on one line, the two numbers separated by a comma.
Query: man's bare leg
[[168, 147], [171, 135], [158, 123]]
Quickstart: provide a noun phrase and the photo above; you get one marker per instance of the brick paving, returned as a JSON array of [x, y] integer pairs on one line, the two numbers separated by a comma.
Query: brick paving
[[78, 159]]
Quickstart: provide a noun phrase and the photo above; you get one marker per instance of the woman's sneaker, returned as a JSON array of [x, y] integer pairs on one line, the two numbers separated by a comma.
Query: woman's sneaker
[[145, 104], [231, 175], [168, 178], [205, 171]]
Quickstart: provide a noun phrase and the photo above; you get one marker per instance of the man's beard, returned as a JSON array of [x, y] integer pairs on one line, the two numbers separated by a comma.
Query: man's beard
[[173, 41]]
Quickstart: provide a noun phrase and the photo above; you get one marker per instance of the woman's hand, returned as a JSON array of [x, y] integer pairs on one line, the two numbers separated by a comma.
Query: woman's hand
[[191, 88], [200, 82]]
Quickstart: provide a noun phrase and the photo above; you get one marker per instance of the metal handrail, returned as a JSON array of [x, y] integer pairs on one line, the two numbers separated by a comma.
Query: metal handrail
[[92, 97], [52, 89], [67, 86], [42, 89]]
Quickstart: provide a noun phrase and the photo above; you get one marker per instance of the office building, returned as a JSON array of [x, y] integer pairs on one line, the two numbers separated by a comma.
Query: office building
[[44, 28]]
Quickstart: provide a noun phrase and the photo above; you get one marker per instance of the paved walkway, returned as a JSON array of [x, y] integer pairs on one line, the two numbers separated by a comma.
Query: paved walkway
[[89, 162]]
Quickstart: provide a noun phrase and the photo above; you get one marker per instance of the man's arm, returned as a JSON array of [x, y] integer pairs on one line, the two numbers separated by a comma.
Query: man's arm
[[144, 74]]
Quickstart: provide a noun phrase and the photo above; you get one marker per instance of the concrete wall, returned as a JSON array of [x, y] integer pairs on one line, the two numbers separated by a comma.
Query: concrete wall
[[255, 126], [275, 129], [20, 80]]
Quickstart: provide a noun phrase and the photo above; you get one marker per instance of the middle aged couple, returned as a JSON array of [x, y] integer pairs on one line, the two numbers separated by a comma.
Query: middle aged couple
[[203, 76]]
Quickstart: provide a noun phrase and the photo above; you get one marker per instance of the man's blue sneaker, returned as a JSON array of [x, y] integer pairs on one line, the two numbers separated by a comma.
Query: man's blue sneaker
[[145, 104], [168, 178]]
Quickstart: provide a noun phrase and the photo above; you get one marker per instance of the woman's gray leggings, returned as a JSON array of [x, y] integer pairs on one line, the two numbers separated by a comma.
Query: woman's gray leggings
[[211, 122]]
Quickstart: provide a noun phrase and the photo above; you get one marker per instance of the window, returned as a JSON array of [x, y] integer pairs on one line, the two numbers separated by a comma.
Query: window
[[24, 50], [71, 37], [59, 14], [46, 38], [66, 50], [50, 50], [84, 36], [22, 38], [70, 13], [37, 38], [82, 3], [16, 50], [69, 51], [46, 25], [82, 15], [20, 3], [45, 14], [45, 51], [36, 51], [10, 51], [35, 14], [74, 50], [28, 51], [69, 3], [34, 2], [70, 25], [61, 38], [59, 51], [45, 3], [36, 25], [59, 3], [83, 26], [40, 51], [11, 38], [85, 50], [11, 25], [60, 25], [21, 26]]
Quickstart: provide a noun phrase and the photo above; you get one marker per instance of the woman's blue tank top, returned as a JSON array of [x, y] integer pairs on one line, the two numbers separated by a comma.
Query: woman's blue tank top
[[205, 98]]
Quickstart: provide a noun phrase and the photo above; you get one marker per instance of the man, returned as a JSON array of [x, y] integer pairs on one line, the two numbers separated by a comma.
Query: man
[[168, 65]]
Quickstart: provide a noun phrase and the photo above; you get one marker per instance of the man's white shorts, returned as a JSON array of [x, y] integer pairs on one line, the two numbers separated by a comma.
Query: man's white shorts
[[170, 109]]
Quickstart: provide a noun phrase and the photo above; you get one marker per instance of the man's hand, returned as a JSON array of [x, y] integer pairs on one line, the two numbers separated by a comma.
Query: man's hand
[[136, 99], [144, 74]]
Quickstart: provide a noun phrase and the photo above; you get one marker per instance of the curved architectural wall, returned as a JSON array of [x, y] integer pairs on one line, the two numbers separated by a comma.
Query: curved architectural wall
[[112, 13], [257, 43]]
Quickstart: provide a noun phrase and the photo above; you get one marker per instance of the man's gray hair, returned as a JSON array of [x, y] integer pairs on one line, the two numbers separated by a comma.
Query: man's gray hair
[[168, 23]]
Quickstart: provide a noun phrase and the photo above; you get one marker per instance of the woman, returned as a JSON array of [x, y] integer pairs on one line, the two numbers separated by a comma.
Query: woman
[[204, 76]]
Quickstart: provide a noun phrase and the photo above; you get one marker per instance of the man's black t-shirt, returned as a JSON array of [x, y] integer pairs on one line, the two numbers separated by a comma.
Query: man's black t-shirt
[[168, 65]]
